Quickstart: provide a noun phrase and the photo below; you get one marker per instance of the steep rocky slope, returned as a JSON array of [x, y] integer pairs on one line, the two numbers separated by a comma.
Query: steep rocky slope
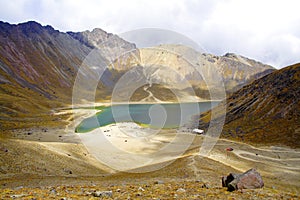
[[266, 111], [38, 66]]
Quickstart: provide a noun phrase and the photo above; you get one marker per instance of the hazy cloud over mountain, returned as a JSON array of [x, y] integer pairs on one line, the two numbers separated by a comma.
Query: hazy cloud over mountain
[[267, 31]]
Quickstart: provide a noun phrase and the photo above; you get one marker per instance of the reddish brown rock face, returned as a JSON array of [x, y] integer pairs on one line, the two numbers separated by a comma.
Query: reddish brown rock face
[[251, 179]]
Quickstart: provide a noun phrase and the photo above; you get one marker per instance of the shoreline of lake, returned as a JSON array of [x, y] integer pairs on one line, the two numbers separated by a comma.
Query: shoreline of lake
[[139, 114]]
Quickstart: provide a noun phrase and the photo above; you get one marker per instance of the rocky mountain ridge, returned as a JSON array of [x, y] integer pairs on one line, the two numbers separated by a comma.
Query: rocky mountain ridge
[[38, 67], [235, 70]]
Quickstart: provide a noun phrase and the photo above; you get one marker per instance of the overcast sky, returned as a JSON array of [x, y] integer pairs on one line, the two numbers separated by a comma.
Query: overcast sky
[[265, 30]]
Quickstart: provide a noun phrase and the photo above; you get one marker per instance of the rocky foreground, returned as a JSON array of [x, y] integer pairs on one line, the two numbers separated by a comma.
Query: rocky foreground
[[34, 169], [148, 190]]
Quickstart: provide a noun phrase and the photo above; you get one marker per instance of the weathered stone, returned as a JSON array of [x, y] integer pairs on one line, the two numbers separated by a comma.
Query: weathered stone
[[102, 194], [251, 179]]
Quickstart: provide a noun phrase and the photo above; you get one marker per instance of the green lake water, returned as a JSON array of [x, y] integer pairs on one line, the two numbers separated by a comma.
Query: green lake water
[[167, 115]]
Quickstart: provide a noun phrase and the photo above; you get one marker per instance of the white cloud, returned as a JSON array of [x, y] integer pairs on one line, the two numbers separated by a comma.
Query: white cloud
[[266, 30]]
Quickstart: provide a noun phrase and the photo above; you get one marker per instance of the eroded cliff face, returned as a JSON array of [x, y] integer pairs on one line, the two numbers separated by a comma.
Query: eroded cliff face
[[115, 49], [197, 74]]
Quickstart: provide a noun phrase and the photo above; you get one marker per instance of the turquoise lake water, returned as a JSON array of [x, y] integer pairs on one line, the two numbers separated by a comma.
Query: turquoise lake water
[[167, 115]]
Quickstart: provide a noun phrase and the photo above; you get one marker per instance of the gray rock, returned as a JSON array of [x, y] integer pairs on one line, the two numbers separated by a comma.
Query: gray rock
[[251, 179], [102, 194]]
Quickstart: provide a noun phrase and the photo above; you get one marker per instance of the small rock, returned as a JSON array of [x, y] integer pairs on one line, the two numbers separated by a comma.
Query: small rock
[[205, 185], [53, 191], [158, 182], [68, 171], [19, 187], [229, 149], [118, 190], [181, 190], [102, 194], [138, 194], [17, 196], [87, 193]]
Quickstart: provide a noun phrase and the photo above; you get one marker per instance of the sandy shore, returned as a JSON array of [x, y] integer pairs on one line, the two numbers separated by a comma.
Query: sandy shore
[[127, 146]]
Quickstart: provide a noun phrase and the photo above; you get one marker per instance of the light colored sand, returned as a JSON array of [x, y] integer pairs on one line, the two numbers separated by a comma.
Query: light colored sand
[[127, 146]]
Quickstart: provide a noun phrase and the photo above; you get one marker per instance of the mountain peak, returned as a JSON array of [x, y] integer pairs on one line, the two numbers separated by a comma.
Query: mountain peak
[[99, 31], [27, 27], [30, 23], [230, 55], [30, 26]]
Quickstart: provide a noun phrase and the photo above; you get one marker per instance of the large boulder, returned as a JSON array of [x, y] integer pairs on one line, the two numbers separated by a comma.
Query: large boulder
[[250, 179]]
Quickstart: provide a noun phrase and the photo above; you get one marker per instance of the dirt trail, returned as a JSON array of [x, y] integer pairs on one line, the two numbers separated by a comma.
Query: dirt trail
[[150, 97]]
